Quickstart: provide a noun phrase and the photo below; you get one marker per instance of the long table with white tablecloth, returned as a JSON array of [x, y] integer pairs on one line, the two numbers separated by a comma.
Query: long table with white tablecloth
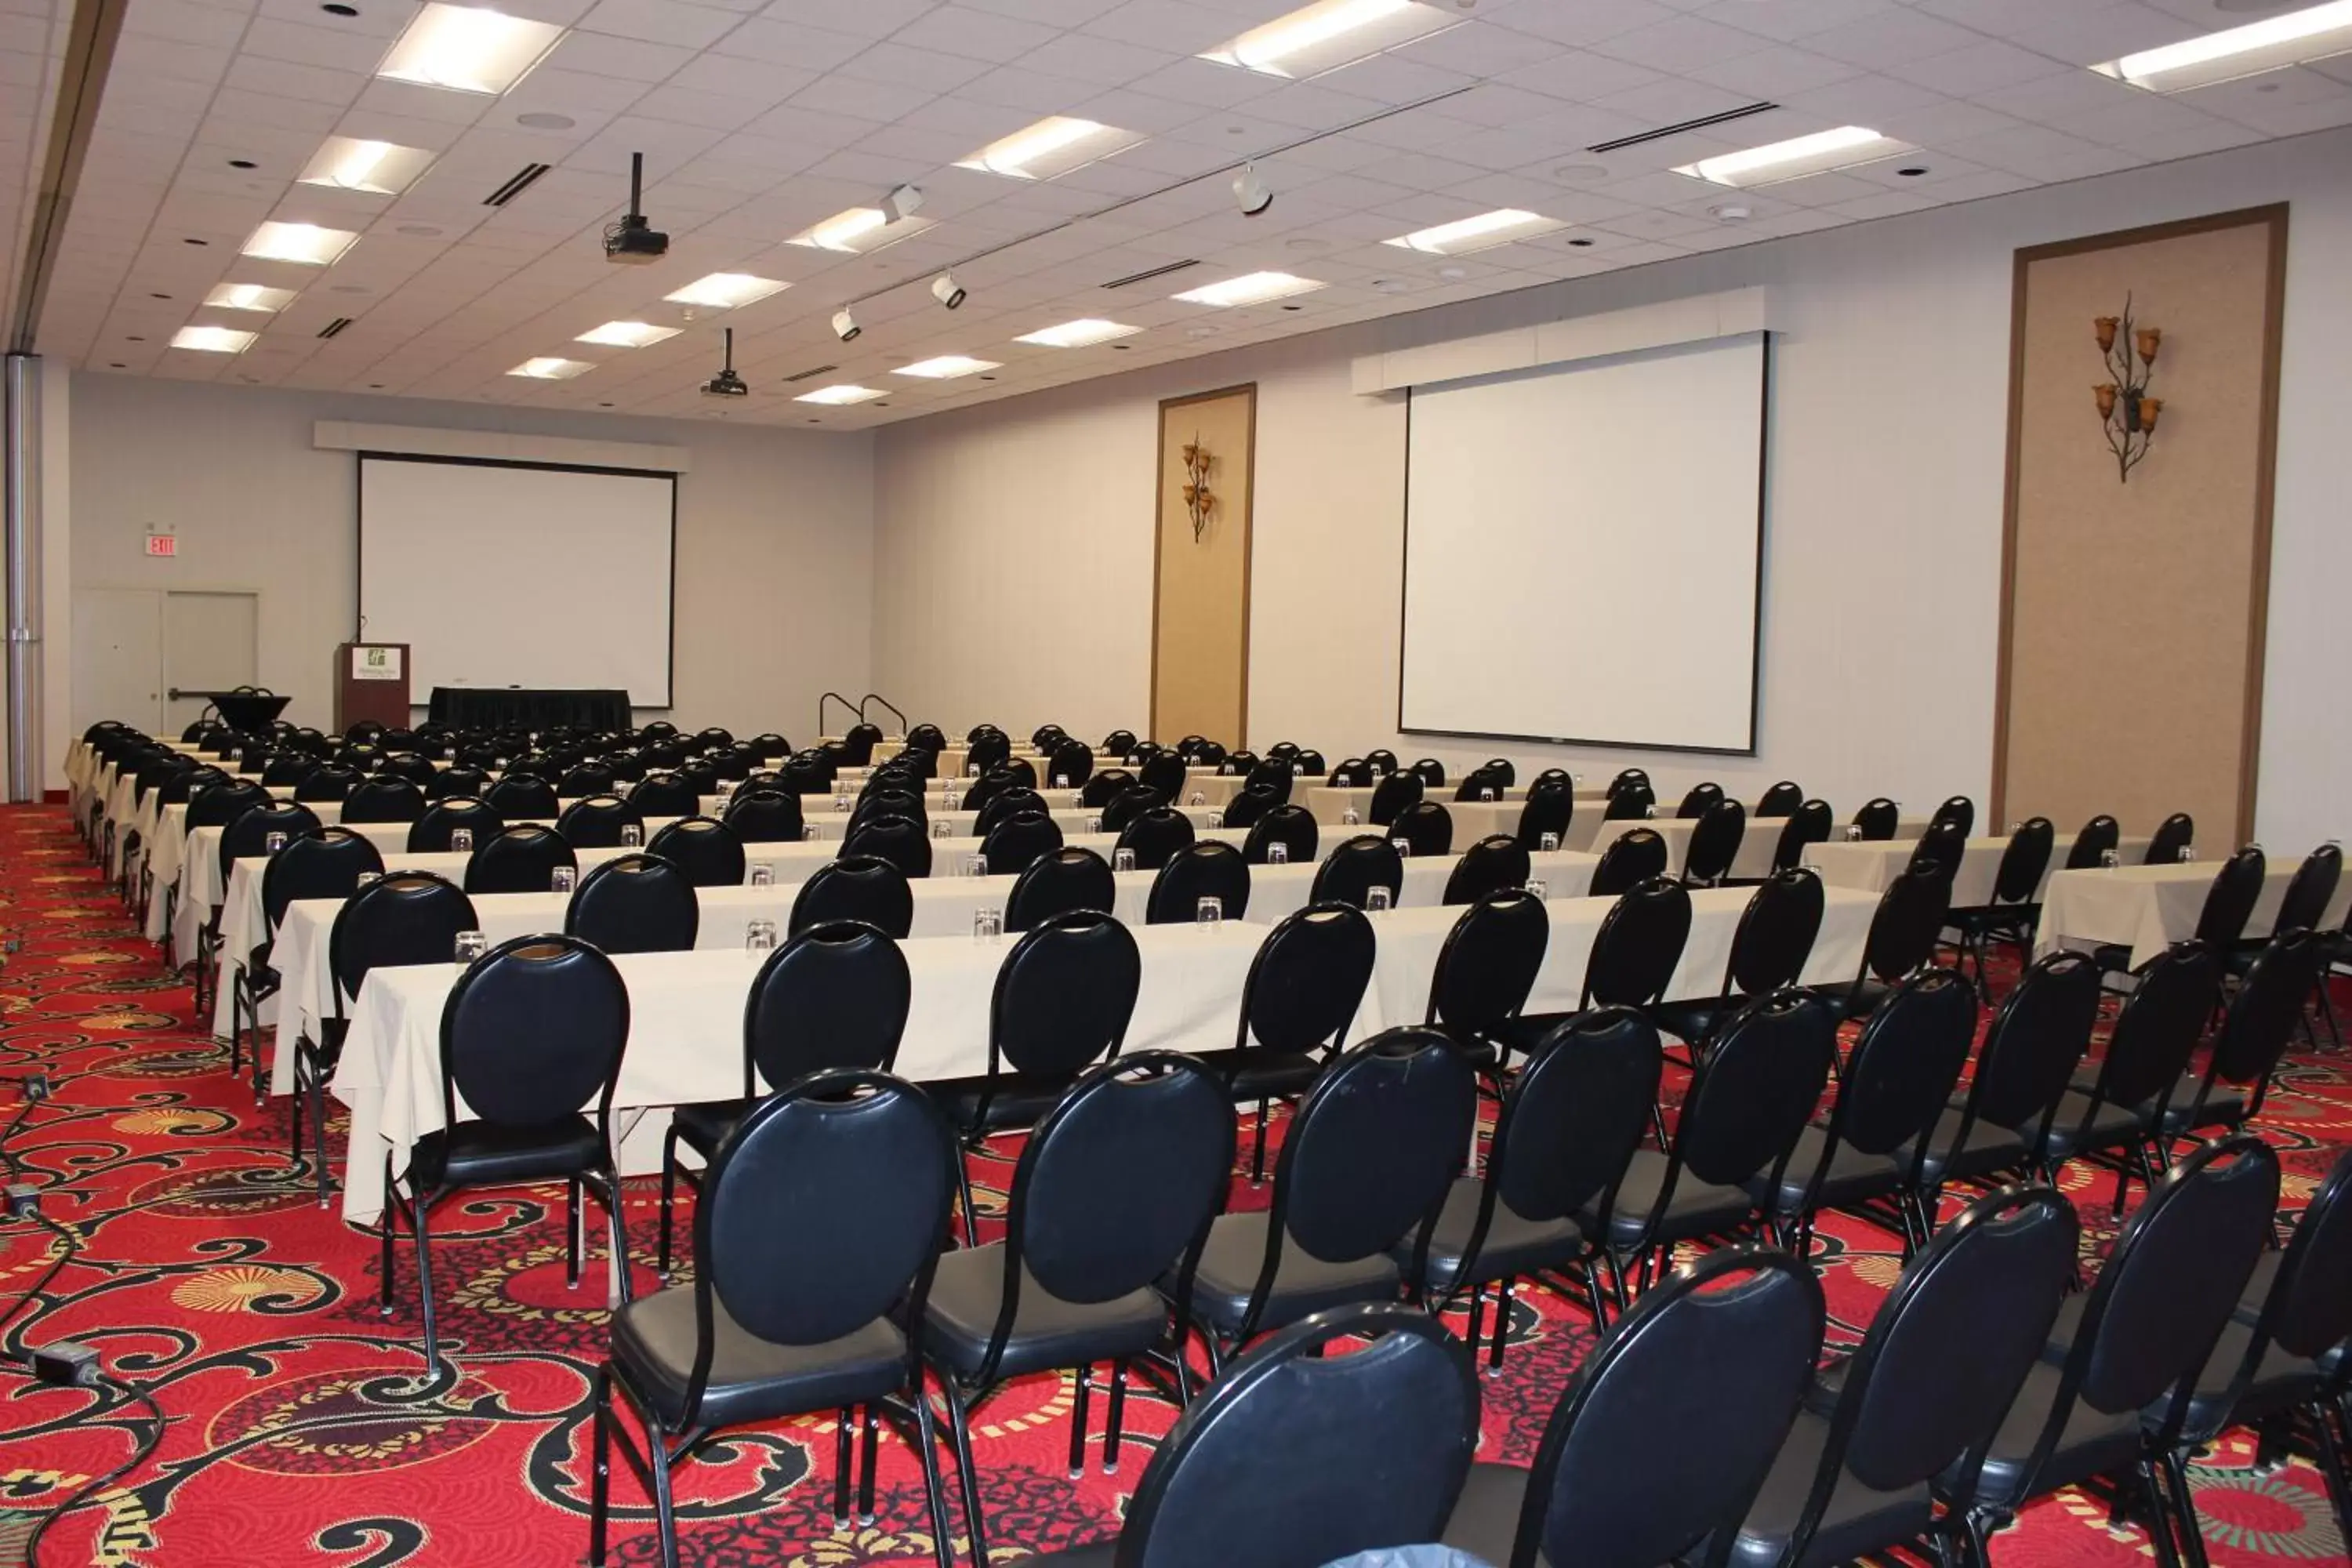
[[2148, 907]]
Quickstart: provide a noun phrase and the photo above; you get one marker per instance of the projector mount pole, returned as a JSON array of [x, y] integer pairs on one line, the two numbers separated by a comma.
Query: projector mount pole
[[22, 441]]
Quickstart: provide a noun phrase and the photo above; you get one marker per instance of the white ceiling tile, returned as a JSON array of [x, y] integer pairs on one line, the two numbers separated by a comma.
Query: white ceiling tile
[[970, 33], [1579, 76], [660, 22], [631, 59], [869, 100], [2045, 100], [1773, 71], [1105, 62], [1978, 68], [809, 48], [1015, 88], [1792, 21], [873, 18], [933, 71]]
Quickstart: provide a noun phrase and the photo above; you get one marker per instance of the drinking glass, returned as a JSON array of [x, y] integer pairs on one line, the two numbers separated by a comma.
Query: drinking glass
[[563, 878], [2014, 826], [1537, 890], [1208, 911], [1198, 799], [1094, 823], [1061, 781], [952, 799], [1298, 769], [1122, 859], [2110, 859], [471, 945], [1549, 844], [1403, 847], [763, 874], [272, 842], [841, 800], [632, 835], [726, 789], [1485, 793], [1376, 899], [808, 833], [759, 936], [2188, 853], [987, 925], [1216, 819], [1278, 853], [939, 828], [461, 840], [1853, 832], [1349, 818], [1649, 813], [972, 770], [975, 864]]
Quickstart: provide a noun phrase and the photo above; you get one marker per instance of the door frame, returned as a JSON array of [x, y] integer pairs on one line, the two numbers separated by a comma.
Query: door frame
[[164, 640]]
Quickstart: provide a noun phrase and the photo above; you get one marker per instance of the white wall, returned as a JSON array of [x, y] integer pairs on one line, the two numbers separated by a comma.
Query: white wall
[[1012, 568], [775, 564]]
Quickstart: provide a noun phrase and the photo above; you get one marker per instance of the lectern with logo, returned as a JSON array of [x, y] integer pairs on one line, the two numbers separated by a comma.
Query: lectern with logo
[[371, 682]]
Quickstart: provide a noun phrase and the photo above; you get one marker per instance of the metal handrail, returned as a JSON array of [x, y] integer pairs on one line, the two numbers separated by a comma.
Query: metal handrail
[[835, 697], [877, 697]]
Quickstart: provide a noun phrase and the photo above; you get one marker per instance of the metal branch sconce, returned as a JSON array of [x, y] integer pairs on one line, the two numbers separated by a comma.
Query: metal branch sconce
[[2127, 415], [1198, 499]]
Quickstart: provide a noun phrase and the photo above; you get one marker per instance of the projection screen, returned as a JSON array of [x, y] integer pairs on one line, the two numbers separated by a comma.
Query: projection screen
[[1584, 548], [500, 574]]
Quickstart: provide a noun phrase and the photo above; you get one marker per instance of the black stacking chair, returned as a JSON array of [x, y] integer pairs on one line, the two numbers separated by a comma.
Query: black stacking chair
[[1208, 868], [1045, 737], [1249, 807], [1115, 1188], [1567, 1129], [898, 839], [764, 817], [784, 1317], [2303, 906], [1667, 1428], [1163, 771], [2015, 910], [244, 835], [1016, 843], [887, 798], [1628, 801], [1059, 883], [2108, 1398], [532, 1032], [2031, 1051], [1484, 782], [429, 834], [1392, 796], [1381, 761], [1939, 851], [408, 765], [835, 996], [1349, 872], [637, 903], [1308, 764], [708, 851], [1426, 827], [1749, 1103], [770, 747], [595, 822], [521, 860], [1921, 1395], [519, 799], [1493, 864], [1292, 1459], [1808, 825], [2174, 834], [1781, 800], [1104, 787], [1272, 776], [1130, 804], [1903, 933], [1958, 812], [1063, 999], [1292, 826], [1699, 800], [2256, 1027], [2098, 835], [1627, 861], [1550, 807], [323, 863], [1365, 1167], [2115, 1115], [1714, 843], [1305, 984], [384, 798], [587, 779], [1878, 819], [1769, 947], [665, 794], [286, 769], [855, 887], [1073, 763], [982, 752], [1430, 772], [2221, 923], [1870, 1158], [1484, 973], [1118, 743], [468, 784], [1153, 835]]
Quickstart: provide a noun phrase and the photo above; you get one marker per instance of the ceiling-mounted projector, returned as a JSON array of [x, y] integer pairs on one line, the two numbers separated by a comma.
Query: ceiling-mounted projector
[[727, 383], [634, 241]]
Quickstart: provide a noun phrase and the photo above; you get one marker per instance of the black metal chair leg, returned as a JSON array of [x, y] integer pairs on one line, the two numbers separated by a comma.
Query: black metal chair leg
[[668, 1197], [971, 1205], [1085, 1377], [866, 1476], [844, 1435], [934, 1487], [419, 1219], [1118, 1417], [1257, 1149], [319, 1131], [2184, 1507], [572, 1233], [383, 1273], [2332, 1467], [665, 1510], [2159, 1518], [1502, 1326], [600, 1483], [967, 1473]]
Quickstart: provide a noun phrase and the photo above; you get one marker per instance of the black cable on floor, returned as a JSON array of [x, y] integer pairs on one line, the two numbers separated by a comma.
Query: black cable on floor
[[72, 1249], [89, 1488]]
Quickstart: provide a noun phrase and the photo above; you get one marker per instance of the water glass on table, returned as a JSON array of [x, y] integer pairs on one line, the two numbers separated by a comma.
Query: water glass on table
[[987, 924], [763, 874], [1278, 853], [461, 841], [471, 945], [1122, 859], [563, 878], [1377, 898], [759, 936], [633, 836], [1210, 911]]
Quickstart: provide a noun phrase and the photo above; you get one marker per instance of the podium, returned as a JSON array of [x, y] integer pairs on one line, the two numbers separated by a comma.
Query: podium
[[247, 712], [371, 681]]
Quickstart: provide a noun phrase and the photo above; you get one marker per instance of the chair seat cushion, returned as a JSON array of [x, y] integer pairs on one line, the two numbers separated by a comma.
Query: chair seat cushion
[[2225, 1106], [2092, 1444], [1858, 1519], [1255, 1073], [967, 1292], [1513, 1245], [751, 1378], [702, 1128], [1697, 1209], [1303, 1283], [2281, 1381], [1526, 1032], [1485, 1518], [1014, 1101], [484, 1153], [1854, 1001], [2113, 1125], [1989, 1149], [1852, 1176], [1692, 1021]]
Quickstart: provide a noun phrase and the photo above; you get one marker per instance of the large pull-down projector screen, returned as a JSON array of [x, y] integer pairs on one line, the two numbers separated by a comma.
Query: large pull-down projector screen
[[1583, 546], [500, 573]]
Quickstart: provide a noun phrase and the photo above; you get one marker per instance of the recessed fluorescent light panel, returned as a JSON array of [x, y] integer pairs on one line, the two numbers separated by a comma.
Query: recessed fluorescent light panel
[[1469, 234], [468, 48], [726, 290], [380, 168], [1330, 33], [860, 231], [550, 368], [844, 394], [1816, 155], [1254, 289], [299, 242], [947, 367], [626, 334], [248, 297], [1053, 146], [2267, 45], [1085, 332], [212, 339]]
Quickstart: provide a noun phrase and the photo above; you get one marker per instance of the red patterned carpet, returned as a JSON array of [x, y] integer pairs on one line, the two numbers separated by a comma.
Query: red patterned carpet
[[208, 1276]]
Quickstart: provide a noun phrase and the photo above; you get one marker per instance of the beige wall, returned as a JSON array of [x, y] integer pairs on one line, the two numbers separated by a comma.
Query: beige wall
[[774, 562], [1882, 575]]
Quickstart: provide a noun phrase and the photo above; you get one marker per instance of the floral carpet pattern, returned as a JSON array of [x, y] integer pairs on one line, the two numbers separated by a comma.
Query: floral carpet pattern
[[298, 1430]]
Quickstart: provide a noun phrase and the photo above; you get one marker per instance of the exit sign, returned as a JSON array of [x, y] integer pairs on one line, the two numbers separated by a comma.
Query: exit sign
[[165, 544]]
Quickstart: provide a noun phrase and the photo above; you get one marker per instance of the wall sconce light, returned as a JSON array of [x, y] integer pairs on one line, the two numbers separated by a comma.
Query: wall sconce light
[[2127, 415]]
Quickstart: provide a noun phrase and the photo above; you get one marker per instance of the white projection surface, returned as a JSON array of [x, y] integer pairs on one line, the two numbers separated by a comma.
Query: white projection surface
[[505, 574], [1582, 551]]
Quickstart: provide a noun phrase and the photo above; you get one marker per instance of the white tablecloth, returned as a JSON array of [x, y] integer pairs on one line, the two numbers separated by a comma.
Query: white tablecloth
[[2148, 907], [1870, 867]]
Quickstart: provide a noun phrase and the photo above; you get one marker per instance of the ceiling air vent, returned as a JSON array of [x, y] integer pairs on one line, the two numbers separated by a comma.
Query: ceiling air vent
[[820, 370], [1701, 123], [1154, 272], [516, 184], [337, 325]]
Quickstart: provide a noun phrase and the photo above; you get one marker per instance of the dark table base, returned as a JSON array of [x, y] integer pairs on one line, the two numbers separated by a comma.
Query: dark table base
[[475, 708]]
